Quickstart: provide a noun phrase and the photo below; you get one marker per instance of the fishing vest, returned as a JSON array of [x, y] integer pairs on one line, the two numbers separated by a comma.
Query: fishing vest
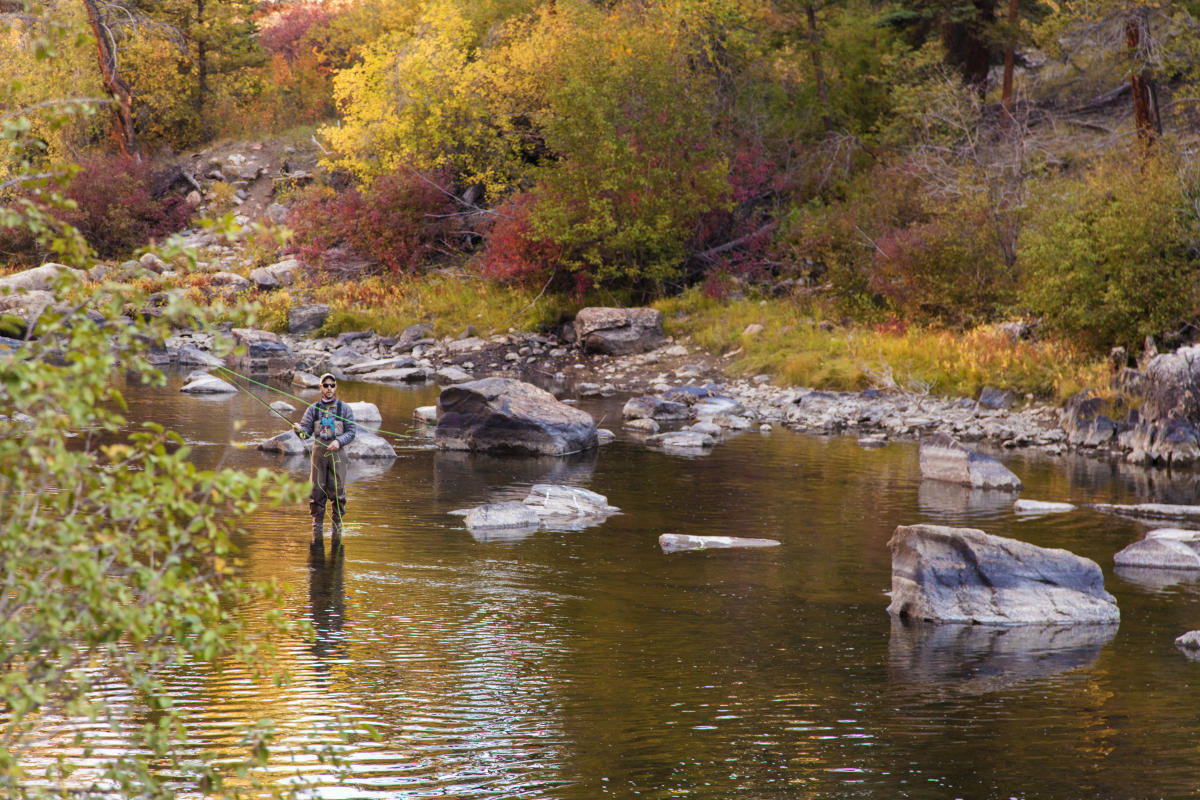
[[328, 424]]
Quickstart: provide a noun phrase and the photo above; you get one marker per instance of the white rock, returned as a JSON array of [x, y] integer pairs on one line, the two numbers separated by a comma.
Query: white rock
[[680, 542]]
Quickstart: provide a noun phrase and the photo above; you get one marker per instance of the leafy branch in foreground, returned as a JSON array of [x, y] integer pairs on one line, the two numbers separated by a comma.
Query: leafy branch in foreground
[[117, 572]]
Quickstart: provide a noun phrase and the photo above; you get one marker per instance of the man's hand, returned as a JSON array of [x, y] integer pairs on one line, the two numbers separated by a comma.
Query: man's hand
[[299, 431], [334, 446]]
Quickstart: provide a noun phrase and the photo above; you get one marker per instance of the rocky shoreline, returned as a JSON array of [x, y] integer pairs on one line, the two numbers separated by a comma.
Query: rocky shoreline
[[671, 373]]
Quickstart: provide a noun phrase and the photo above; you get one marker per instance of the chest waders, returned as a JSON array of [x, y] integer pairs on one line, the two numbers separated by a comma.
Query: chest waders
[[328, 476]]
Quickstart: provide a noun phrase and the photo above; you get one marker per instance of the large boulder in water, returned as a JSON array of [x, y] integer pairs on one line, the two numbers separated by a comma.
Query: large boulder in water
[[510, 416], [948, 574], [619, 331], [944, 459]]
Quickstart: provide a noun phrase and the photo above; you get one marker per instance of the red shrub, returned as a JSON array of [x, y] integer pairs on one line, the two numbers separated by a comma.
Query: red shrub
[[397, 221], [284, 33], [514, 254], [116, 211]]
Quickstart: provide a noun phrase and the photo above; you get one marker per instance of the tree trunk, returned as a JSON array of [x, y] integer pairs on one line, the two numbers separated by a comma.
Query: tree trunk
[[1145, 113], [116, 86], [818, 70], [201, 66], [1009, 58]]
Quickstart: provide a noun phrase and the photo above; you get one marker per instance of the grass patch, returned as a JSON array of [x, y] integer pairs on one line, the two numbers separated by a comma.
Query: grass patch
[[796, 347]]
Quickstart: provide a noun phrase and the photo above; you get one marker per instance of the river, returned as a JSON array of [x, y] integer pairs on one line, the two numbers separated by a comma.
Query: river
[[585, 664]]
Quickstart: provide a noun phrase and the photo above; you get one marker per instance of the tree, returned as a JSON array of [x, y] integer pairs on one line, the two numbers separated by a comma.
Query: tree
[[116, 562]]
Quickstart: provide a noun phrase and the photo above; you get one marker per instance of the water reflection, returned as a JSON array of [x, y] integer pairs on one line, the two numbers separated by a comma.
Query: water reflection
[[327, 599], [949, 501], [975, 659], [475, 478], [1158, 580]]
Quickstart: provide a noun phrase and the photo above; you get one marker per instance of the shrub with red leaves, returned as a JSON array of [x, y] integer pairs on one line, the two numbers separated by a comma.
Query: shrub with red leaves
[[116, 211], [284, 33], [397, 220], [514, 254]]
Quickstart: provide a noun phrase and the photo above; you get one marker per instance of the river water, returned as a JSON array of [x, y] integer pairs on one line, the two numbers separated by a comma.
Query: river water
[[584, 664]]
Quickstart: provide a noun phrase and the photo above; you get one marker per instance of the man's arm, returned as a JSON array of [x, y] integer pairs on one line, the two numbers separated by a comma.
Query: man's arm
[[309, 421], [349, 430]]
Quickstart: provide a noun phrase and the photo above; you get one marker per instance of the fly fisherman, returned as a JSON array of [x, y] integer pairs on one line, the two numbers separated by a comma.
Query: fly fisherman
[[331, 424]]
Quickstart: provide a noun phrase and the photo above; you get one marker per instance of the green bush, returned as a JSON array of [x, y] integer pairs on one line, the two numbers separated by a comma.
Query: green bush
[[1107, 259]]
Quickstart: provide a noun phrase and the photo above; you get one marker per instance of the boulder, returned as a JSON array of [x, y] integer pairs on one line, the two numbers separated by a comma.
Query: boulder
[[262, 353], [40, 278], [208, 384], [426, 414], [283, 407], [996, 399], [507, 415], [945, 574], [618, 331], [411, 335], [366, 414], [229, 280], [309, 318], [944, 459], [679, 542], [20, 310], [305, 380], [286, 443], [1165, 548], [278, 275]]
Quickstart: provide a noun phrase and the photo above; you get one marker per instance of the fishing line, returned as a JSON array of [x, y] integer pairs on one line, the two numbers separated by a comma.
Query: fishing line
[[297, 399]]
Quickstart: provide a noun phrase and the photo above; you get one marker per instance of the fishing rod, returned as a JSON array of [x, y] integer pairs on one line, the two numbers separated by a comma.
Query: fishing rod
[[292, 397]]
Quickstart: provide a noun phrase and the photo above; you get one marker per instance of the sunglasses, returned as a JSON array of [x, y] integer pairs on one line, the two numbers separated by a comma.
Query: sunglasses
[[328, 385]]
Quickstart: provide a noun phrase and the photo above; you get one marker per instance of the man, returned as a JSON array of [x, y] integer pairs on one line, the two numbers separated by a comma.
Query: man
[[331, 424]]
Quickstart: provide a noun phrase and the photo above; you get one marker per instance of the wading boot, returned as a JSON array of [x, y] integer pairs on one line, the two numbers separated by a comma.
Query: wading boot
[[318, 519], [335, 534]]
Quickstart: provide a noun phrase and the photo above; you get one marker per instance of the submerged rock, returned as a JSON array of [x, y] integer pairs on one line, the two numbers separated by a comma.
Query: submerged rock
[[568, 504], [944, 459], [679, 542], [945, 574]]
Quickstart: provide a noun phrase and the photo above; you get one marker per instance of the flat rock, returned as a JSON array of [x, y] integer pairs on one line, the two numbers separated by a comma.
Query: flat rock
[[513, 514], [1165, 548], [945, 574], [681, 440], [1150, 510], [403, 375], [571, 505], [944, 459], [208, 384], [1040, 507], [680, 542]]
